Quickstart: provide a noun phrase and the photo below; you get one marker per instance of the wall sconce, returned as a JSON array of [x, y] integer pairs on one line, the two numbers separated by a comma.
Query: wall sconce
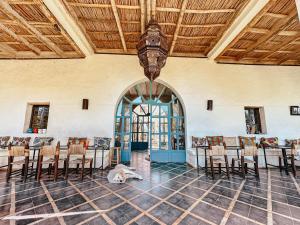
[[85, 104], [209, 105]]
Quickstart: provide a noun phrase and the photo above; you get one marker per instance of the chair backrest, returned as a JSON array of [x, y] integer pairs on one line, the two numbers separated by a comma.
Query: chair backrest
[[102, 143], [214, 140], [20, 141], [49, 150], [76, 149], [18, 151], [269, 142], [247, 141], [230, 141], [39, 141], [249, 151], [77, 140], [198, 141], [295, 148], [217, 150], [4, 140]]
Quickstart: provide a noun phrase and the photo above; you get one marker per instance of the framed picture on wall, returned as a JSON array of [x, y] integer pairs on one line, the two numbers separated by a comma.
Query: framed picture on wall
[[295, 110]]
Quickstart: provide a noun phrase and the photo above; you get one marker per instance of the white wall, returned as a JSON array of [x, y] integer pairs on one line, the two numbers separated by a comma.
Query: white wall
[[103, 78]]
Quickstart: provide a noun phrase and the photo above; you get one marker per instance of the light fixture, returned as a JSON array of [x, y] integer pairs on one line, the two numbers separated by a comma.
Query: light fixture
[[152, 50]]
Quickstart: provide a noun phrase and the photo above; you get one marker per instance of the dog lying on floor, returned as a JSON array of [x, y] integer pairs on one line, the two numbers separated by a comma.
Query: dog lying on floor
[[121, 173]]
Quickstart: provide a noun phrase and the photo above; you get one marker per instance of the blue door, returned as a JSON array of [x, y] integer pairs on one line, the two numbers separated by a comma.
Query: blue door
[[165, 132]]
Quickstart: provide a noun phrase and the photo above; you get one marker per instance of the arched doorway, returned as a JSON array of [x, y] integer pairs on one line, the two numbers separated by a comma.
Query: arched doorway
[[150, 117]]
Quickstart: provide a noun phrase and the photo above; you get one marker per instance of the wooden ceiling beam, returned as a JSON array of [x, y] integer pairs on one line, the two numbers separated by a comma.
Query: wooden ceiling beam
[[258, 30], [4, 47], [276, 15], [143, 19], [288, 33], [94, 5], [183, 8], [196, 37], [116, 15], [191, 55], [20, 39], [16, 16], [148, 7], [195, 11], [153, 8]]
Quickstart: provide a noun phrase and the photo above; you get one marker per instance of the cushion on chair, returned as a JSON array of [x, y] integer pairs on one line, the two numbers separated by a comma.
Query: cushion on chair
[[230, 141], [198, 141], [78, 140], [214, 140], [102, 143], [269, 142], [38, 141], [289, 142], [247, 141], [4, 140], [20, 141]]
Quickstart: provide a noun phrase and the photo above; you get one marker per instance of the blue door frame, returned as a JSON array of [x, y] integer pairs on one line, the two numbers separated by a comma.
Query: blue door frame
[[163, 139]]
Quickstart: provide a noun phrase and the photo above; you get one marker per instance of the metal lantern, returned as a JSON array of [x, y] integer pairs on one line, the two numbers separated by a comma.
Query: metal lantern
[[152, 50]]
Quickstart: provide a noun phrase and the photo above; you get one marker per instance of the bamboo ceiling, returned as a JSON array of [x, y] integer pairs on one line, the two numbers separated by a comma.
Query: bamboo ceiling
[[192, 27], [29, 30], [272, 37]]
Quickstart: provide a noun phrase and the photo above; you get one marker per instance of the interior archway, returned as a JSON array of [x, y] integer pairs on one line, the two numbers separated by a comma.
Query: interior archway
[[150, 116]]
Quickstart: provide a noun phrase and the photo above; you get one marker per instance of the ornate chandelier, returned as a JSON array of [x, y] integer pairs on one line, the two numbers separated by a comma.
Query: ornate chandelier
[[152, 50]]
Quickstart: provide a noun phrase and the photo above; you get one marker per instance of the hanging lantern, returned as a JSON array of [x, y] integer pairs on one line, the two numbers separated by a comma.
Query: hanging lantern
[[152, 50]]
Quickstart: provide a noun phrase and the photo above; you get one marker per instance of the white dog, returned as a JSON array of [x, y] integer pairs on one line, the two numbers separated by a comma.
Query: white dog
[[121, 173]]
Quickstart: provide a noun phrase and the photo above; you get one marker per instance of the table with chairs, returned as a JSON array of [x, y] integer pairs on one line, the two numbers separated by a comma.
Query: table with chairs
[[25, 160], [247, 150]]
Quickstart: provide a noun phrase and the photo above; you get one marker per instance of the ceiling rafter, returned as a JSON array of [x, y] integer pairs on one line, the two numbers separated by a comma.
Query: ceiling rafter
[[182, 11], [142, 5], [116, 15]]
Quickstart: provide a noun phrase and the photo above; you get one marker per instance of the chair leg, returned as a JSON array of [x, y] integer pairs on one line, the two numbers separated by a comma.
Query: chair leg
[[50, 169], [246, 168], [77, 168], [232, 165], [40, 167], [227, 166], [91, 167], [26, 168], [293, 165], [256, 166], [220, 168], [280, 163], [55, 168], [212, 167], [9, 167], [67, 167], [243, 166], [82, 171]]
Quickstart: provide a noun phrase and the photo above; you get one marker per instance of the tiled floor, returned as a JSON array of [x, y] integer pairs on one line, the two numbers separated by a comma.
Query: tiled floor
[[169, 194]]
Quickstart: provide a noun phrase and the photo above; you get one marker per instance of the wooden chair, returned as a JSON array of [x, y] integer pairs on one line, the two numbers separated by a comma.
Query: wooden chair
[[247, 151], [18, 151], [52, 153], [115, 156], [291, 158], [77, 150], [215, 154]]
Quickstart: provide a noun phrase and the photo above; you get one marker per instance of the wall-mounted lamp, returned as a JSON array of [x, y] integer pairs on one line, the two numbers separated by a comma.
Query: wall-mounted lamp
[[85, 104], [209, 105]]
